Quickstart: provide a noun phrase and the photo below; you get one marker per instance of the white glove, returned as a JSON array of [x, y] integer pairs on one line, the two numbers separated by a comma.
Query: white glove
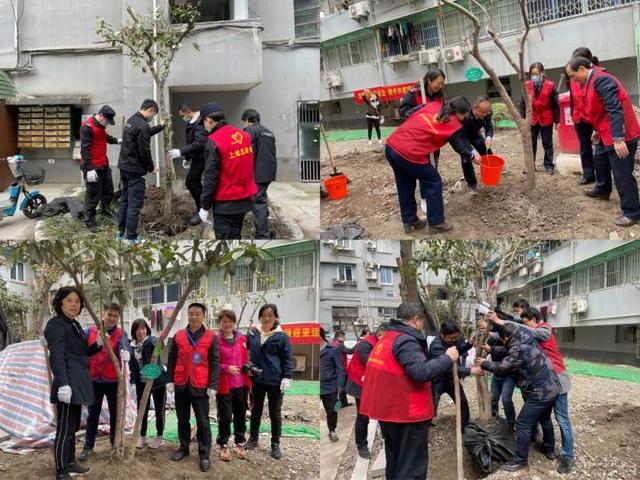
[[204, 215], [170, 386], [186, 164], [99, 341], [482, 308], [119, 141], [92, 176], [211, 392], [64, 394], [125, 356], [174, 153], [285, 384]]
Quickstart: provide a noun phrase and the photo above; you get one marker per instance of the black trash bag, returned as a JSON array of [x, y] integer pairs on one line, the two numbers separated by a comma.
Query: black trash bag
[[62, 205], [348, 231], [490, 447]]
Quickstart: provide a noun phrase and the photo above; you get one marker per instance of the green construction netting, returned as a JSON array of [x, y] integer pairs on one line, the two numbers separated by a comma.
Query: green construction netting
[[304, 387], [617, 372], [506, 124], [288, 430], [358, 134]]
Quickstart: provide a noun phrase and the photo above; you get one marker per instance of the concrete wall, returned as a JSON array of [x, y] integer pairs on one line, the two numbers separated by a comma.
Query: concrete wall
[[598, 344], [24, 288]]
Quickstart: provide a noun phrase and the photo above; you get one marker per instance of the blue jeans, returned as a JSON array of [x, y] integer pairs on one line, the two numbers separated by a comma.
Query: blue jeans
[[532, 413], [131, 202], [406, 173], [502, 387], [561, 412]]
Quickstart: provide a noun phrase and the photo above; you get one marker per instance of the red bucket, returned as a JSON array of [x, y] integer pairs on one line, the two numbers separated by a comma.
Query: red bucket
[[336, 187], [491, 169]]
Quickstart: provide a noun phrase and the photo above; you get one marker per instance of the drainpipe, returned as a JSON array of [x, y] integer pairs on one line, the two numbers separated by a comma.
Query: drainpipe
[[156, 140]]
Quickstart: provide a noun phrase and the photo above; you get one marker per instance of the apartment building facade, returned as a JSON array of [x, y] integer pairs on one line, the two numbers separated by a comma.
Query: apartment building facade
[[386, 42]]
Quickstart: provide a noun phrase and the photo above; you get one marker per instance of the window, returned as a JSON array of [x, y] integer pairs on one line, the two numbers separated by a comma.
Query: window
[[582, 281], [272, 275], [442, 293], [537, 294], [614, 272], [405, 37], [157, 292], [564, 289], [299, 270], [142, 292], [540, 11], [387, 312], [596, 277], [383, 246], [632, 267], [601, 4], [343, 318], [17, 272], [209, 11], [386, 276], [344, 244], [173, 292], [345, 273], [307, 19], [217, 283], [242, 281], [426, 35], [626, 334], [550, 289], [568, 335]]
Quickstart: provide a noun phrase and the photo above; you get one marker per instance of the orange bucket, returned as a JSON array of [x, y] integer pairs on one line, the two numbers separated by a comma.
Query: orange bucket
[[491, 169], [336, 187]]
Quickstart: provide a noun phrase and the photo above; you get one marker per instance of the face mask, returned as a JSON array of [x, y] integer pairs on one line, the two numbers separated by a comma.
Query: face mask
[[208, 129], [517, 318], [536, 78], [186, 119], [103, 122]]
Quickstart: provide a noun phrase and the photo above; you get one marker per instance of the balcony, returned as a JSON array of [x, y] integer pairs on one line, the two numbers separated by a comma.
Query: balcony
[[229, 57], [344, 283]]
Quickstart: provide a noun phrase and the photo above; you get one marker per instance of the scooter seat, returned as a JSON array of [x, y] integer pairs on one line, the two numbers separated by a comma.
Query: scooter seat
[[4, 204]]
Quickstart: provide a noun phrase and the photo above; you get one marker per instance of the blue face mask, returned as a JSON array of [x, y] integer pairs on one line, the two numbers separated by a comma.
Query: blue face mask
[[536, 78], [517, 318]]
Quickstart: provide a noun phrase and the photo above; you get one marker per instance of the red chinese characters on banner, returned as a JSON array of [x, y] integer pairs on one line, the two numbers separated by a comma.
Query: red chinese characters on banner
[[385, 93], [303, 333]]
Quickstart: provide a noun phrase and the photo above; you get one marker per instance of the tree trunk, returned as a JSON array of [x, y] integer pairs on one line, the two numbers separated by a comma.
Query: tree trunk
[[527, 154], [167, 171]]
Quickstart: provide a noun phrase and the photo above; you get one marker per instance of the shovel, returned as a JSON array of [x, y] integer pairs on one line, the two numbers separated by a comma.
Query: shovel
[[335, 173]]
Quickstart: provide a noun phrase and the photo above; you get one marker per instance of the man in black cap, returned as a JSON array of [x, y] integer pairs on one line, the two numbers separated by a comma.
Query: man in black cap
[[95, 164], [228, 183], [134, 163], [265, 167], [193, 153]]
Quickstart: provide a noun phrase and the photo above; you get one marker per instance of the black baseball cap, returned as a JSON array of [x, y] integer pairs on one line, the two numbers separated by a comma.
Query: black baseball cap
[[109, 113]]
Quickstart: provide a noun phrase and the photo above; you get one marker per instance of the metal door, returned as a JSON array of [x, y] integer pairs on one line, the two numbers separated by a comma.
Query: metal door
[[309, 140]]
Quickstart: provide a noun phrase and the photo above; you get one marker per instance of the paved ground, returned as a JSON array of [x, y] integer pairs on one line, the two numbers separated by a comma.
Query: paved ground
[[332, 453], [20, 227], [298, 203]]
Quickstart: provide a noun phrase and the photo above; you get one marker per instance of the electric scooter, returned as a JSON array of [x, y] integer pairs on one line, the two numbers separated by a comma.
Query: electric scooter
[[31, 203]]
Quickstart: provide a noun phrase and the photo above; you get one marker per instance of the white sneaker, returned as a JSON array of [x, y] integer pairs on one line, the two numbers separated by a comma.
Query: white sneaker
[[141, 442], [156, 443], [423, 205], [379, 141], [370, 142]]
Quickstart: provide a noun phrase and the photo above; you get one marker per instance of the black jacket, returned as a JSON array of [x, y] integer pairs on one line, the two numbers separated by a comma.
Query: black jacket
[[363, 350], [214, 367], [532, 370], [408, 105], [274, 357], [438, 349], [210, 179], [135, 368], [410, 350], [264, 152], [473, 125], [555, 103], [196, 140], [332, 372], [86, 139], [69, 359], [135, 153]]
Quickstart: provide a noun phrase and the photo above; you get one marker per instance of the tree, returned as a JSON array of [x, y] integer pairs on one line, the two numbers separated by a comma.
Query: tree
[[518, 66], [152, 42]]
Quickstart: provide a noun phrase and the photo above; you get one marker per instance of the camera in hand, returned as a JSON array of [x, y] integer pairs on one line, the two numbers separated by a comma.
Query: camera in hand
[[251, 369]]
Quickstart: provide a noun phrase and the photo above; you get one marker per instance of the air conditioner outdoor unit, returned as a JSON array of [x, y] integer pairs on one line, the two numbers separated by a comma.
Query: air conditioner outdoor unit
[[524, 271], [579, 305], [425, 57], [372, 274], [537, 268], [359, 10], [371, 245], [453, 54], [370, 265], [333, 80]]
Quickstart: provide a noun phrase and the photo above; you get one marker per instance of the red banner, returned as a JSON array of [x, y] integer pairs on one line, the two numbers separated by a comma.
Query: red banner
[[303, 333], [385, 93]]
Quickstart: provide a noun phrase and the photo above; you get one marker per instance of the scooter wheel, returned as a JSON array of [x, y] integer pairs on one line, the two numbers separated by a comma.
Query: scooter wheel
[[34, 206]]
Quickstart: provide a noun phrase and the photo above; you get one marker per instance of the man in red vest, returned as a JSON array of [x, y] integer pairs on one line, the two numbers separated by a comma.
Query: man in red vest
[[616, 133], [355, 372], [228, 183], [104, 375], [397, 392], [193, 368], [95, 164]]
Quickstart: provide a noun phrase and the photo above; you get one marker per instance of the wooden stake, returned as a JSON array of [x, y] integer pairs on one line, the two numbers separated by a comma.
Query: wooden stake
[[456, 384]]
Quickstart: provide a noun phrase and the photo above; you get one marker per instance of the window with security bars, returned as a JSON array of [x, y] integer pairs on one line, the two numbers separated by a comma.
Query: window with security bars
[[602, 4], [345, 273], [299, 270], [582, 281], [564, 285], [362, 50], [550, 289], [426, 35], [537, 294], [626, 334], [142, 291], [505, 14], [306, 19], [596, 277], [632, 267], [343, 318], [615, 272], [242, 281], [540, 11], [272, 275]]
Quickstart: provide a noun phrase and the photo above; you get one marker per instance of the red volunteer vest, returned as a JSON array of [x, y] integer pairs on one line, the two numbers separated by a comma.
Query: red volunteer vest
[[552, 351], [598, 116], [421, 134], [388, 394], [98, 144], [541, 112], [355, 372], [223, 386], [236, 159], [100, 364], [196, 374]]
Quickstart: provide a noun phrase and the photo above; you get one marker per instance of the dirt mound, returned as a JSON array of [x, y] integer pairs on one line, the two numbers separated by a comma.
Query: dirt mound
[[153, 222], [556, 209]]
